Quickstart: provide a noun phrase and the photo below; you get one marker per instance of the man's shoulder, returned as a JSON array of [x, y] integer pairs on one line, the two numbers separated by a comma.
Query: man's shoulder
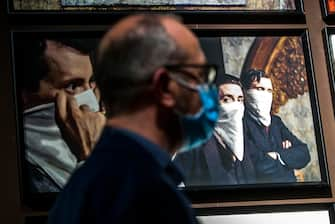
[[276, 120], [116, 165], [39, 181], [275, 117], [115, 146], [115, 158]]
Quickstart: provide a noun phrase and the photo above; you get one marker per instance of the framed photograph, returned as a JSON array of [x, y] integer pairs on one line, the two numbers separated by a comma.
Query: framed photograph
[[47, 161], [308, 213], [52, 59], [241, 10], [237, 159]]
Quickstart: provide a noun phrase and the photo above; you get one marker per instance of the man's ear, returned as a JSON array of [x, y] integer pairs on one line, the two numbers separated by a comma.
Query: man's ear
[[164, 88]]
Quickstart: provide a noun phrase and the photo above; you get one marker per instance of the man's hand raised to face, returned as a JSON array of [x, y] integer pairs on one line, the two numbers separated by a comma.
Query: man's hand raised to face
[[80, 127]]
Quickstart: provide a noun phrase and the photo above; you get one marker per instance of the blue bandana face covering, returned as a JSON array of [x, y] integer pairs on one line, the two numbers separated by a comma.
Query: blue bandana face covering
[[198, 128]]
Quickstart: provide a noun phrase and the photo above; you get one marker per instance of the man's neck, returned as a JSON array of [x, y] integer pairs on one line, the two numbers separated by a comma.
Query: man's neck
[[144, 124]]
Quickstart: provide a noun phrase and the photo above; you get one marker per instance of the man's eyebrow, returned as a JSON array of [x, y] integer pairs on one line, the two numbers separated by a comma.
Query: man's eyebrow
[[228, 95]]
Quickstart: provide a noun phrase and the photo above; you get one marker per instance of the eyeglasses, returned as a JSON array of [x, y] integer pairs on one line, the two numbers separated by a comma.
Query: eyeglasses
[[206, 75]]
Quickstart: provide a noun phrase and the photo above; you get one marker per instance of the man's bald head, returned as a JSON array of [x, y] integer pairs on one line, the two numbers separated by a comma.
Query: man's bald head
[[134, 24], [134, 49]]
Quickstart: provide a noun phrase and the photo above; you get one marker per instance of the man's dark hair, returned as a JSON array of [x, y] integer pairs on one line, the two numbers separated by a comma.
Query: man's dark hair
[[126, 66], [251, 75], [32, 65], [227, 79]]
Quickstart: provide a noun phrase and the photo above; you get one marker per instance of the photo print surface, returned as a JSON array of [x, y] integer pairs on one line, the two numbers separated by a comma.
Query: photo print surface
[[45, 64], [229, 160]]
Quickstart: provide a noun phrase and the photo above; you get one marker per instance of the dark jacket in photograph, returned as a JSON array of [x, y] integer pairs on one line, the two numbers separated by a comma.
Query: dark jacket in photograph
[[263, 140], [212, 164]]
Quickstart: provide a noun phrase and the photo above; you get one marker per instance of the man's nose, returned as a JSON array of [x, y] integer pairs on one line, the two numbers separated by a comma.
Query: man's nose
[[87, 86]]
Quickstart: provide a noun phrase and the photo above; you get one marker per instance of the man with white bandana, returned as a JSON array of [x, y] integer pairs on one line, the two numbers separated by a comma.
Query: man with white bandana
[[56, 77], [224, 159], [276, 152]]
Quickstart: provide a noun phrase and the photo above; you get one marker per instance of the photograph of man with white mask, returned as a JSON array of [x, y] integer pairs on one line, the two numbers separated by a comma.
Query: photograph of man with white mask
[[276, 152], [61, 121], [224, 159]]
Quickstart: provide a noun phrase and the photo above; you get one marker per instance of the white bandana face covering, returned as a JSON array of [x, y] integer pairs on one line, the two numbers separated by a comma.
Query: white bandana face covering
[[229, 128], [259, 102], [44, 144], [88, 98]]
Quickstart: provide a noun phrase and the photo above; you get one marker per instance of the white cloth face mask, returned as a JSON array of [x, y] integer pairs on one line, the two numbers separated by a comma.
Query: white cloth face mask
[[88, 98], [44, 144], [259, 105], [229, 128]]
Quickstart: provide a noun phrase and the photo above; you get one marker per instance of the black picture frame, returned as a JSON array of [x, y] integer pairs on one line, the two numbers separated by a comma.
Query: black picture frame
[[214, 15], [36, 201], [253, 210], [330, 54], [36, 219], [43, 201], [256, 210]]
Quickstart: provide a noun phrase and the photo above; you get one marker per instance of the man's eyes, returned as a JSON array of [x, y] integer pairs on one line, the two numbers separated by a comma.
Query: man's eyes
[[227, 99], [70, 87], [240, 99], [263, 89], [73, 87]]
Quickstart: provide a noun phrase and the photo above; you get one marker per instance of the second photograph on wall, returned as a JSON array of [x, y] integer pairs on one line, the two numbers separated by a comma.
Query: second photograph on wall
[[269, 132]]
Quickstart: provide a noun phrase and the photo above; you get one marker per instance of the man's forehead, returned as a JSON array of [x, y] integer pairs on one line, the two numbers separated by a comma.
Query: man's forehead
[[263, 82], [266, 82], [67, 60], [231, 89]]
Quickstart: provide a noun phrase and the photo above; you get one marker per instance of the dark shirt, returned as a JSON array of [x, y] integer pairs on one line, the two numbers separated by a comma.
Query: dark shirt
[[39, 181], [213, 164], [263, 140], [127, 179]]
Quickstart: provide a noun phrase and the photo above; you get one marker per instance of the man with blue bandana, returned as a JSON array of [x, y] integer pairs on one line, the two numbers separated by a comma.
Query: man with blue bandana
[[159, 97]]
